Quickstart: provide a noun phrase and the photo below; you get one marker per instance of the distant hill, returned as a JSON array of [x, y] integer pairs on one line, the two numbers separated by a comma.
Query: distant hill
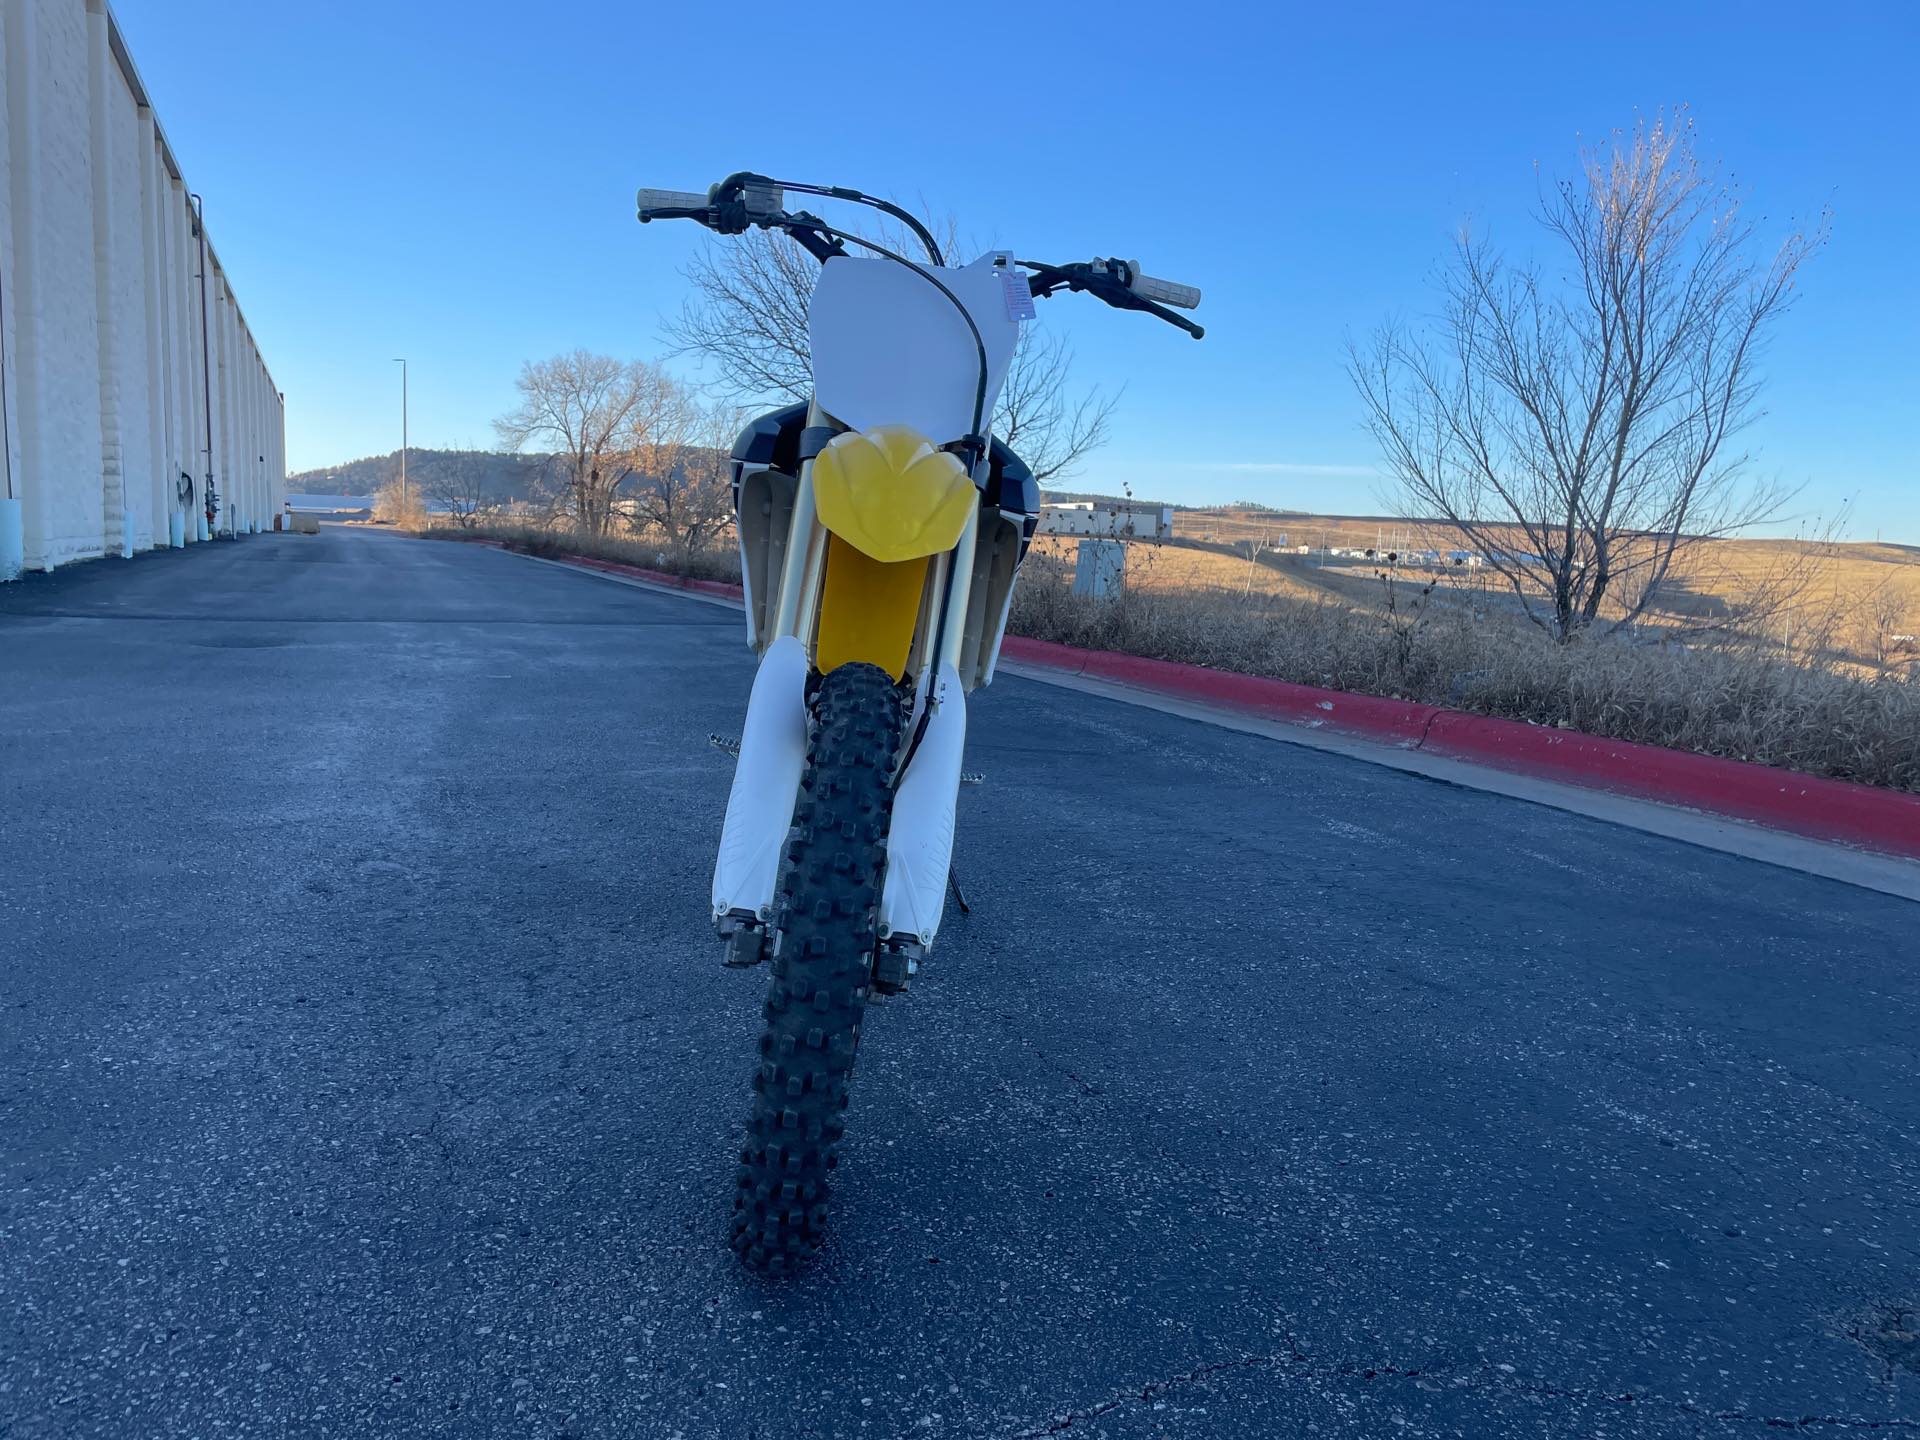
[[510, 476], [1076, 497], [507, 477]]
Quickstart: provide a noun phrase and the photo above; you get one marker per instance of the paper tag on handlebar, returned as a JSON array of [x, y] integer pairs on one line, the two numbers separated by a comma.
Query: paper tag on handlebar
[[1013, 283]]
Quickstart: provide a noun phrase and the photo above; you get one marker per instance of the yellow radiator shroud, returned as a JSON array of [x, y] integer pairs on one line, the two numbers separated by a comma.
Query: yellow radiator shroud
[[889, 499]]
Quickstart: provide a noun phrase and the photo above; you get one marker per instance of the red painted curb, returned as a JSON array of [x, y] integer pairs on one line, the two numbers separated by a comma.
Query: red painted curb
[[658, 577], [1810, 805], [1399, 721]]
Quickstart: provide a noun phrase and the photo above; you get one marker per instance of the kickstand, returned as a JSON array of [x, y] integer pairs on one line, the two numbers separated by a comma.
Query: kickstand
[[959, 895]]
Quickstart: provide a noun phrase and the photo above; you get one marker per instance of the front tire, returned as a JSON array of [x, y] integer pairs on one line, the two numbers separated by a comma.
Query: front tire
[[822, 967]]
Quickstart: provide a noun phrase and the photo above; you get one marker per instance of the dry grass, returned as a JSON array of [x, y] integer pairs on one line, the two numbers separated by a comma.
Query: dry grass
[[1838, 589], [1741, 704], [711, 564]]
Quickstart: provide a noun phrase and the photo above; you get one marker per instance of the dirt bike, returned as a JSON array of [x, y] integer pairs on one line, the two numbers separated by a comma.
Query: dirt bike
[[881, 528]]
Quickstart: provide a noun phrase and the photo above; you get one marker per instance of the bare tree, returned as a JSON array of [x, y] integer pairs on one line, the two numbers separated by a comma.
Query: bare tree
[[458, 484], [748, 317], [1048, 423], [1576, 430], [1733, 596], [1879, 610], [599, 416], [1255, 549], [684, 493]]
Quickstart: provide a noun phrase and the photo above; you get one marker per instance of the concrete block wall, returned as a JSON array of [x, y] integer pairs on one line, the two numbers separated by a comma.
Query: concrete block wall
[[130, 376]]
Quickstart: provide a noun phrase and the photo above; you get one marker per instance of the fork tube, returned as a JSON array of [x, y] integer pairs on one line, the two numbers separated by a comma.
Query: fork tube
[[805, 555], [953, 623]]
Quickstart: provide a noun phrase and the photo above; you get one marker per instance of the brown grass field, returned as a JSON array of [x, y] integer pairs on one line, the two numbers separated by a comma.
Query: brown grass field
[[1837, 600]]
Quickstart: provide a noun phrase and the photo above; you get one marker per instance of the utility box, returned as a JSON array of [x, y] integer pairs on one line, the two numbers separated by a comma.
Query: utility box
[[1120, 519], [1100, 568]]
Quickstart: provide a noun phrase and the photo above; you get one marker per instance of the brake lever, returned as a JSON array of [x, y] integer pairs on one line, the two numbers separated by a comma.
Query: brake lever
[[1155, 308]]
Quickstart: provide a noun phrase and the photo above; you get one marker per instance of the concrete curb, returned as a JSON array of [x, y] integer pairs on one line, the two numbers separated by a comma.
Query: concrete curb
[[1886, 821]]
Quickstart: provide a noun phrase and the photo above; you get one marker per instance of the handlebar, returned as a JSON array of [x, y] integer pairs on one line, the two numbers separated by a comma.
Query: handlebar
[[744, 200]]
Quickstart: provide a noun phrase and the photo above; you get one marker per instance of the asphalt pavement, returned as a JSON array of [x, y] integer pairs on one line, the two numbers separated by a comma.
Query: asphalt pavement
[[367, 1067]]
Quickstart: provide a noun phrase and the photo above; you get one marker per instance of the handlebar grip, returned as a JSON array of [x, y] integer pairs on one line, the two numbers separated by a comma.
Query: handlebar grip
[[648, 200], [1163, 292]]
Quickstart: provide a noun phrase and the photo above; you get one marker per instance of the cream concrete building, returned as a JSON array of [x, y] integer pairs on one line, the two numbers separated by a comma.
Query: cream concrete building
[[132, 383]]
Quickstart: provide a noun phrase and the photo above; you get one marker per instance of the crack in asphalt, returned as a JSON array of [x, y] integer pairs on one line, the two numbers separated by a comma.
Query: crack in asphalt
[[1149, 1391], [431, 1134], [1300, 1363]]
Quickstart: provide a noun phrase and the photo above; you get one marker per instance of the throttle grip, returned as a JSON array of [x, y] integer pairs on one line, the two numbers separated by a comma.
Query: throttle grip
[[1162, 292], [647, 200]]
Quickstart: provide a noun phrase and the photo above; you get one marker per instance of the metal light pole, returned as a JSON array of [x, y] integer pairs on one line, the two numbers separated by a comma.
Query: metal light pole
[[401, 362]]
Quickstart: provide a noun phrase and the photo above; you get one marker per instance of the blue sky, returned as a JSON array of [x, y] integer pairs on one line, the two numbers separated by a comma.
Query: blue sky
[[453, 183]]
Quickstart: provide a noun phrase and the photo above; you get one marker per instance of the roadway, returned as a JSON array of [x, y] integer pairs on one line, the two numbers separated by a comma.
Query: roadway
[[367, 1069]]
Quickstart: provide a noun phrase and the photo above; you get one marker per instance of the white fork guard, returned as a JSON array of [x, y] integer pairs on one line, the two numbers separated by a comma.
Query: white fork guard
[[766, 785], [920, 840], [766, 782]]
